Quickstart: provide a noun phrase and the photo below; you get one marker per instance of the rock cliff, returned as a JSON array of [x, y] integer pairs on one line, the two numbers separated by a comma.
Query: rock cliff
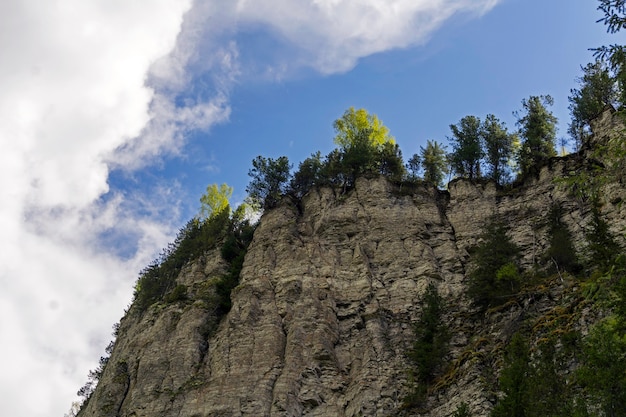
[[323, 316]]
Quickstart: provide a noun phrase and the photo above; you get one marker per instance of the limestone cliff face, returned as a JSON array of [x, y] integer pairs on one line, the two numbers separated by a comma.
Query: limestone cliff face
[[322, 318]]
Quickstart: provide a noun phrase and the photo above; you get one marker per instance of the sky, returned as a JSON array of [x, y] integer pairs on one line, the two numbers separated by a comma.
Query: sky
[[115, 115]]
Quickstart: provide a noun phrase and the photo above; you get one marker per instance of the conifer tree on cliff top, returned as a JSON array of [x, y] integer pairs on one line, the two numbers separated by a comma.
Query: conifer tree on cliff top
[[537, 128]]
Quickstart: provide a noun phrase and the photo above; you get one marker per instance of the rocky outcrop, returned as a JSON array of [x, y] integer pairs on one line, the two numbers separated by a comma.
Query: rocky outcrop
[[322, 318]]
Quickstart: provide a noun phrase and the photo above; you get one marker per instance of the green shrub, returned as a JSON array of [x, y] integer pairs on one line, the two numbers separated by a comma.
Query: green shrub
[[534, 386], [159, 278], [179, 293], [509, 274], [233, 251], [431, 338], [548, 391], [462, 410]]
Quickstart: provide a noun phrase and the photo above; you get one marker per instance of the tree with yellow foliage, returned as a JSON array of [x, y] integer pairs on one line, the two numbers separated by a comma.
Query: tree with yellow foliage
[[215, 200], [354, 123]]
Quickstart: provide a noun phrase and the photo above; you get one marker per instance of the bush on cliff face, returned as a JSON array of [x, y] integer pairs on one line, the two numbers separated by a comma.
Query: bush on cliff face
[[462, 410], [431, 338], [233, 251], [514, 380], [566, 374], [232, 234], [159, 278]]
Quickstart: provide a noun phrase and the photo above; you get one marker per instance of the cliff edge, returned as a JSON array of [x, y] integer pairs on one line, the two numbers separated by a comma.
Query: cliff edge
[[331, 287]]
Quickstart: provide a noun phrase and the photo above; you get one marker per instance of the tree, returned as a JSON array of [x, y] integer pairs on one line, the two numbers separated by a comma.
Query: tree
[[215, 200], [495, 277], [602, 248], [194, 239], [390, 161], [434, 162], [430, 346], [269, 180], [308, 175], [431, 338], [603, 373], [358, 158], [615, 19], [614, 14], [499, 147], [597, 90], [332, 171], [514, 380], [537, 127], [534, 386], [561, 251], [365, 147], [354, 123], [467, 147], [548, 392], [413, 165]]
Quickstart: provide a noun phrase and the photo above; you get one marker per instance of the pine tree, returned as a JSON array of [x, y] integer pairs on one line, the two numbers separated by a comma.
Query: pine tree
[[434, 162], [537, 128], [467, 147], [597, 90], [514, 380], [499, 146]]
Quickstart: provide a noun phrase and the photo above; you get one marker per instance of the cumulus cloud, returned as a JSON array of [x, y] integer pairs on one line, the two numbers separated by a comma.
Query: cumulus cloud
[[333, 34], [72, 76], [193, 82], [94, 85]]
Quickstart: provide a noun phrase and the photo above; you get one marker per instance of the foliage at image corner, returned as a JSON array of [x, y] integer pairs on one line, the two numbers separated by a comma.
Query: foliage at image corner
[[537, 377], [565, 373]]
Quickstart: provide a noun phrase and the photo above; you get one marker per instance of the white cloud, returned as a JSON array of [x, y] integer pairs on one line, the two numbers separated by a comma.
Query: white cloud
[[92, 85], [332, 35], [72, 76], [166, 130]]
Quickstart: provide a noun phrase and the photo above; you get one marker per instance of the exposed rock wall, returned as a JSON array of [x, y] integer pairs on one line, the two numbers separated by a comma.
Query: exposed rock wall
[[322, 319]]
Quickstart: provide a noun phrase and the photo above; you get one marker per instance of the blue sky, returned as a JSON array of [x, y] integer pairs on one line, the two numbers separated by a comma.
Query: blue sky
[[471, 65], [115, 116]]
